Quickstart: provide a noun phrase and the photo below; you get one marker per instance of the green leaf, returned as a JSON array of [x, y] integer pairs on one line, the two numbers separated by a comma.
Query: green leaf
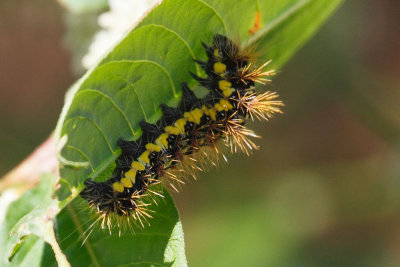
[[161, 244], [27, 224], [288, 25], [31, 253], [146, 69]]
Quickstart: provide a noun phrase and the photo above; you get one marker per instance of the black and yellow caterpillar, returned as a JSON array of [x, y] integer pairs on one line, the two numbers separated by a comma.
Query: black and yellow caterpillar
[[182, 132]]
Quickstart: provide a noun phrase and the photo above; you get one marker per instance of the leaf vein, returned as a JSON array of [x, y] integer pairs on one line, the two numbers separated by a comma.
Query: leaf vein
[[82, 153], [113, 103], [180, 37], [138, 97], [95, 125], [216, 13], [154, 63]]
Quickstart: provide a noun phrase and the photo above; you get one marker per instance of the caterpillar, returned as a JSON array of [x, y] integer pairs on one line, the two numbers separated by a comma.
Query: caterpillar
[[191, 130]]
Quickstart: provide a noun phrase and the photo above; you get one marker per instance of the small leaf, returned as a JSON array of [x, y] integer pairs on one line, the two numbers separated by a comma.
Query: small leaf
[[30, 215], [161, 244], [31, 253]]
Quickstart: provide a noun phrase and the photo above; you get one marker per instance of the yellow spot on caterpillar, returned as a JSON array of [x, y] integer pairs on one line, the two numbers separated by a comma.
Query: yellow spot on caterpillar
[[228, 92], [188, 116], [162, 140], [216, 52], [172, 130], [138, 166], [117, 187], [196, 114], [225, 87], [225, 104], [204, 109], [218, 107], [126, 182], [131, 175], [224, 84], [212, 114], [144, 158], [153, 147], [219, 67], [180, 124]]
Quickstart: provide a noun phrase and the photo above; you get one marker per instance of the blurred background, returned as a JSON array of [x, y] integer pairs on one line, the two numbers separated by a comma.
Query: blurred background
[[323, 190]]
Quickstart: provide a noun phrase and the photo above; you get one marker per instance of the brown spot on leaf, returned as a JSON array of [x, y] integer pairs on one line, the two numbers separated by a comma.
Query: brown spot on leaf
[[257, 24]]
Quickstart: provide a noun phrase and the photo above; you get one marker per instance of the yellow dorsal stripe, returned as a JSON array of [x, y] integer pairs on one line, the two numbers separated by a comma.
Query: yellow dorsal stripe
[[153, 147], [138, 166], [188, 116], [224, 84], [225, 87], [162, 140], [212, 114], [180, 124], [131, 175], [117, 187], [126, 182], [197, 114], [144, 158], [218, 107], [172, 130], [226, 104], [204, 109], [228, 92]]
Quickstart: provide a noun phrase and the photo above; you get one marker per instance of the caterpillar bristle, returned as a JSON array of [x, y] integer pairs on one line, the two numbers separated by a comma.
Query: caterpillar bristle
[[238, 138], [258, 75], [260, 106], [187, 139]]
